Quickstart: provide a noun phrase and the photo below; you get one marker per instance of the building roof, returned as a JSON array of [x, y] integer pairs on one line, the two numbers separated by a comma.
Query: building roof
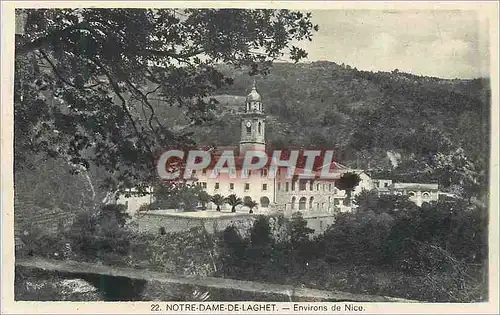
[[218, 159]]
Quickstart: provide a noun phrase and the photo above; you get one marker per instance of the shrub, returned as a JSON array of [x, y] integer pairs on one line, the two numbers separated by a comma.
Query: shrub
[[102, 235], [451, 227], [358, 237]]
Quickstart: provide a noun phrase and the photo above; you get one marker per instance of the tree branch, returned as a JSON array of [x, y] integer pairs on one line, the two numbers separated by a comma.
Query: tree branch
[[151, 108], [59, 75], [45, 40], [116, 89]]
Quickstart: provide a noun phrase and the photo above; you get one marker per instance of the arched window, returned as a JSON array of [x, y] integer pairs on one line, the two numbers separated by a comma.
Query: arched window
[[293, 202], [249, 130], [264, 202], [411, 194], [302, 203], [425, 195], [311, 200]]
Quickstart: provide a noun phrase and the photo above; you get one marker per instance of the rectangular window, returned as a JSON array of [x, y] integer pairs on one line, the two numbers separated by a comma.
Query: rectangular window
[[287, 186], [264, 186], [317, 186], [216, 185], [386, 184], [247, 186], [302, 185], [231, 186], [293, 186], [279, 186], [204, 185], [330, 187], [311, 185]]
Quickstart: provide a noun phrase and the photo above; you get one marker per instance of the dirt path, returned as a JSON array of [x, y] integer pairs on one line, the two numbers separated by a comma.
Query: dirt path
[[208, 282]]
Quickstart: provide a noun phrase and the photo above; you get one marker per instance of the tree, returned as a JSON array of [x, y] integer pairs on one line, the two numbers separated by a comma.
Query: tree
[[204, 198], [251, 204], [174, 195], [348, 181], [302, 249], [370, 200], [86, 78], [299, 232], [218, 200], [233, 201], [102, 234]]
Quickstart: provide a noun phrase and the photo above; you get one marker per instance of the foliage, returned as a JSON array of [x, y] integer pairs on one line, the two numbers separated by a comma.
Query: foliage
[[38, 242], [358, 237], [436, 253], [370, 200], [233, 201], [187, 253], [299, 232], [103, 235], [204, 198], [86, 92], [453, 229], [168, 195], [301, 248], [348, 182], [251, 204], [218, 200]]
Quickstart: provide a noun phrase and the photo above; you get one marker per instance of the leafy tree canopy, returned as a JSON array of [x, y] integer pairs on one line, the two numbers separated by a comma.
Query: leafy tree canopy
[[86, 79]]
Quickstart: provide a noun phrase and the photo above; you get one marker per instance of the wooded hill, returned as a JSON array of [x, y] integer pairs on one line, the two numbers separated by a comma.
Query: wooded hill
[[362, 114]]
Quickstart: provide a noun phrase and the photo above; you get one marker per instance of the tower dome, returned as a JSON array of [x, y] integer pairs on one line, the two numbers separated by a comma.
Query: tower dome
[[254, 96]]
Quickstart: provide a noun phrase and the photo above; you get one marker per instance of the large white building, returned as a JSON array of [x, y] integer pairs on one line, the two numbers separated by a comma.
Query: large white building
[[282, 193]]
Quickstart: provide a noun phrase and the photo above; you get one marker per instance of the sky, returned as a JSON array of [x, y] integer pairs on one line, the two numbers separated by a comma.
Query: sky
[[446, 44]]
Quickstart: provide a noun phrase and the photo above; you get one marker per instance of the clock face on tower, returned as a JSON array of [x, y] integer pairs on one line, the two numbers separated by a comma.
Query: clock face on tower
[[249, 124]]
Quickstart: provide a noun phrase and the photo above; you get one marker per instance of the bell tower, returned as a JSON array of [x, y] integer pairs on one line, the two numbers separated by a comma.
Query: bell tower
[[253, 123]]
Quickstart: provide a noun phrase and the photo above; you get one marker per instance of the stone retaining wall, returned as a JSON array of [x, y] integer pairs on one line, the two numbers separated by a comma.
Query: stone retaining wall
[[152, 223]]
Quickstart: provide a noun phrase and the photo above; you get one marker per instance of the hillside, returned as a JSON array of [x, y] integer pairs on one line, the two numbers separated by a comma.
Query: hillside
[[362, 114]]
